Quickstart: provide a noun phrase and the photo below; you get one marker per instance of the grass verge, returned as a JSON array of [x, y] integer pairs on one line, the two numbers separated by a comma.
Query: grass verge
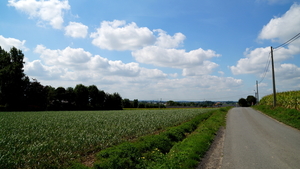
[[287, 116], [177, 147]]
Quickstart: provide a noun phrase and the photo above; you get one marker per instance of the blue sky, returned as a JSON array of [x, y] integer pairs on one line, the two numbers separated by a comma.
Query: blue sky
[[151, 50]]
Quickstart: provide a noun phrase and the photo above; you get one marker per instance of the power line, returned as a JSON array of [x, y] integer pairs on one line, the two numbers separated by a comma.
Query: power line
[[266, 68], [287, 42], [277, 48]]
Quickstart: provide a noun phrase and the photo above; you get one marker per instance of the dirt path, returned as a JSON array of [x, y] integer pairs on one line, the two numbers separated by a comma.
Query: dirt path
[[213, 158]]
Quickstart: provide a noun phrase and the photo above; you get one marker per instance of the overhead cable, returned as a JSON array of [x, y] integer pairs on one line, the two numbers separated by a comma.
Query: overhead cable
[[287, 42], [266, 68]]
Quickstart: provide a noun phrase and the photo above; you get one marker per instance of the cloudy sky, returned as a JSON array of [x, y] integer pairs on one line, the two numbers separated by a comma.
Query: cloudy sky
[[152, 49]]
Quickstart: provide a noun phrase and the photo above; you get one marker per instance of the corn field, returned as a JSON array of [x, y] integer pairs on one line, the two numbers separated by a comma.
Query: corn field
[[54, 139], [289, 99]]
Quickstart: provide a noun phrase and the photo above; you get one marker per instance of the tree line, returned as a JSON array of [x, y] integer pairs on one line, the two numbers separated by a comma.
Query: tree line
[[17, 92], [249, 101]]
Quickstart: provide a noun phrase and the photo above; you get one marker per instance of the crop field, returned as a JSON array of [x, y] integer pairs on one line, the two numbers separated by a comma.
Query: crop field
[[55, 139], [289, 99]]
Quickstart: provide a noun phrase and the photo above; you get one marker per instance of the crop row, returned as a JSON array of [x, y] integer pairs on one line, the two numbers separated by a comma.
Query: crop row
[[289, 99], [54, 139], [177, 147]]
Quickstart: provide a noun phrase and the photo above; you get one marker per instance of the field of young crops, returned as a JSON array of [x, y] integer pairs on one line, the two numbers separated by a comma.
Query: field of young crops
[[289, 99], [54, 139]]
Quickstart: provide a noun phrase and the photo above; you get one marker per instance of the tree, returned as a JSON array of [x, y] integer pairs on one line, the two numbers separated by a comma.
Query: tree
[[94, 97], [36, 96], [70, 98], [113, 101], [135, 103], [81, 96], [60, 97], [243, 102], [251, 100], [13, 81], [126, 103]]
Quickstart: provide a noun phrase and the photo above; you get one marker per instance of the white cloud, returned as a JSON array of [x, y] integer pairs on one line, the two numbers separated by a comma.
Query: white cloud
[[194, 60], [77, 64], [221, 73], [287, 71], [279, 29], [204, 69], [8, 43], [73, 58], [71, 66], [282, 28], [166, 41], [275, 1], [50, 11], [76, 30], [117, 35], [40, 71]]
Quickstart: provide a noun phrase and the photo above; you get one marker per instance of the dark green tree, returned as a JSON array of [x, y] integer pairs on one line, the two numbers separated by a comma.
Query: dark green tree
[[251, 100], [60, 98], [113, 101], [94, 97], [36, 96], [126, 103], [135, 103], [102, 98], [51, 98], [81, 96], [70, 98], [13, 81], [243, 102]]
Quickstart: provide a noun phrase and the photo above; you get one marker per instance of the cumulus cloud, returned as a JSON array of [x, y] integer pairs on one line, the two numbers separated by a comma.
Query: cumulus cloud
[[8, 43], [279, 29], [50, 11], [282, 28], [166, 41], [177, 58], [117, 35], [76, 30], [78, 64], [71, 66], [73, 58], [37, 69]]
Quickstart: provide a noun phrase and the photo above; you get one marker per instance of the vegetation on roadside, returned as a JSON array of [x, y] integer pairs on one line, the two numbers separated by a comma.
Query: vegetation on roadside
[[54, 139], [289, 99], [177, 147], [287, 116], [287, 108]]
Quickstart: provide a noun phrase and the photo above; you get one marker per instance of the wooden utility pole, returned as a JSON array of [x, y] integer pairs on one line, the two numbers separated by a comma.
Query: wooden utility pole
[[257, 97], [273, 77]]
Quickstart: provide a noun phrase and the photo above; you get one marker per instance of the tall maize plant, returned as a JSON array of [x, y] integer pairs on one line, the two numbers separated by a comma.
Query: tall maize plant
[[289, 99]]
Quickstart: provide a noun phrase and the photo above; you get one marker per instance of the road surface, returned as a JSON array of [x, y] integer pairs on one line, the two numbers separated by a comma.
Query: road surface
[[255, 141]]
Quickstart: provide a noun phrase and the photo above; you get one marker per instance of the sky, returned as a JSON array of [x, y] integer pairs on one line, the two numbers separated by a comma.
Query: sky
[[157, 50]]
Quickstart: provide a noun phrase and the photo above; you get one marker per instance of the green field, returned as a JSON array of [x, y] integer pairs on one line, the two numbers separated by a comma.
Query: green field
[[288, 99], [54, 139]]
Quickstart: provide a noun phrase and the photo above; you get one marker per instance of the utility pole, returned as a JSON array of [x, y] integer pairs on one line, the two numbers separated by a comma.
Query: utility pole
[[257, 98], [273, 77]]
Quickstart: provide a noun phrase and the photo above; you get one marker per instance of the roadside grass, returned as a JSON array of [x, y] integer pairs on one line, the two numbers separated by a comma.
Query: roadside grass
[[177, 147], [287, 116], [56, 139]]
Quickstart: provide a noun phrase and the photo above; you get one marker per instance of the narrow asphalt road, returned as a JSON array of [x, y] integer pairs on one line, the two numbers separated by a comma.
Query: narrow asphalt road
[[255, 141]]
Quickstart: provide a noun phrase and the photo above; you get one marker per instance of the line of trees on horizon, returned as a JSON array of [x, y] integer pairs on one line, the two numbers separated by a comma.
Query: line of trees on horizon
[[17, 92]]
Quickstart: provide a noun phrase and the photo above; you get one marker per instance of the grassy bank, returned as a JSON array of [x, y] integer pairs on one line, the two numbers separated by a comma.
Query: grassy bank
[[177, 147], [290, 117]]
